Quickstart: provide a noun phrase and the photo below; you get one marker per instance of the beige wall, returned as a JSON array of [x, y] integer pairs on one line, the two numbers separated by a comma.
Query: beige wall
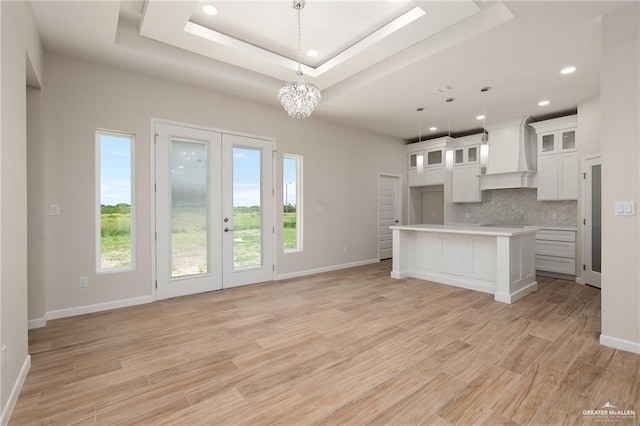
[[35, 205], [620, 97], [589, 135], [18, 41], [341, 166]]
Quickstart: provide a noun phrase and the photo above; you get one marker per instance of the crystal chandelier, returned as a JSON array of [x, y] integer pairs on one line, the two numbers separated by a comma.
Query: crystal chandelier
[[299, 98]]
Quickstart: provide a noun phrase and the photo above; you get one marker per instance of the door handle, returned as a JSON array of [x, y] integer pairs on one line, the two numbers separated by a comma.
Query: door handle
[[228, 230]]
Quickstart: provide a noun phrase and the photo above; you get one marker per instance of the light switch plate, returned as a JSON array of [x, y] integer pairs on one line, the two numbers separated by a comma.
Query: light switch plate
[[625, 208]]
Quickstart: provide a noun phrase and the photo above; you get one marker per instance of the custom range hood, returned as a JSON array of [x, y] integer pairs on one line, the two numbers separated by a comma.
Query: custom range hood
[[512, 156]]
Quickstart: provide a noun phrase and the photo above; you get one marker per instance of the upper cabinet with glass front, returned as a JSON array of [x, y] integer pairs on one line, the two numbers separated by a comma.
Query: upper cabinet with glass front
[[557, 158], [426, 162], [466, 155], [556, 136]]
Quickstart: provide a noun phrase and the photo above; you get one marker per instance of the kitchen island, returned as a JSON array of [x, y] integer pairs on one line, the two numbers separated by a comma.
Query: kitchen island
[[495, 260]]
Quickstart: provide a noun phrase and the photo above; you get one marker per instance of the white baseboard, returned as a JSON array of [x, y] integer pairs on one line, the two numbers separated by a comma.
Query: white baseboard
[[98, 307], [580, 281], [15, 392], [37, 322], [517, 295], [625, 345], [325, 269]]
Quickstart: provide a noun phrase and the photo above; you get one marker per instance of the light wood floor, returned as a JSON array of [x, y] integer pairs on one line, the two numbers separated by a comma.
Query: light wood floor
[[351, 346]]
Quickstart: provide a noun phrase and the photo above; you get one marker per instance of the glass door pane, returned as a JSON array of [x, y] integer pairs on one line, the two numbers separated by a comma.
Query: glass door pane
[[569, 139], [472, 154], [189, 208], [247, 207], [548, 143], [596, 219], [434, 157]]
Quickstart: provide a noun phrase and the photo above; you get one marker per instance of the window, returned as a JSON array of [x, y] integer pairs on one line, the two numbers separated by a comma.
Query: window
[[115, 209], [292, 203]]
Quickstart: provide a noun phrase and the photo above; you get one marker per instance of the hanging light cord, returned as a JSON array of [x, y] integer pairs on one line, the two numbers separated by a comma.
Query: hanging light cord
[[299, 7]]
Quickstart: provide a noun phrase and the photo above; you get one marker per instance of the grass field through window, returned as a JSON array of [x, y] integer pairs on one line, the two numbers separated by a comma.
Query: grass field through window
[[189, 238]]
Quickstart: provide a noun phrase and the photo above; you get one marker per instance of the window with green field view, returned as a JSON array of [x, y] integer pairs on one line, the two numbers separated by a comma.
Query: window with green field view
[[114, 166], [292, 203]]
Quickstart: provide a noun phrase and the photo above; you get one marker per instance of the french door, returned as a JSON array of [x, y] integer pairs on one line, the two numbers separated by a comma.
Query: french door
[[214, 210]]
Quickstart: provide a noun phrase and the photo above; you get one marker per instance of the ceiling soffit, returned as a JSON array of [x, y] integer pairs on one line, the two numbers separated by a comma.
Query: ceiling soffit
[[261, 36]]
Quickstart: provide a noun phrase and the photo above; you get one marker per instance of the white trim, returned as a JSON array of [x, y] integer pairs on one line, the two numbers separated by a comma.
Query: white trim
[[15, 392], [518, 294], [580, 281], [152, 186], [462, 282], [325, 269], [38, 322], [99, 307], [155, 121], [625, 345]]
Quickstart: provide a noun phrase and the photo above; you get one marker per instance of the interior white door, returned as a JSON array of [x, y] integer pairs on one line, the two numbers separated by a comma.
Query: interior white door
[[388, 213], [214, 210], [593, 222], [247, 189], [188, 235]]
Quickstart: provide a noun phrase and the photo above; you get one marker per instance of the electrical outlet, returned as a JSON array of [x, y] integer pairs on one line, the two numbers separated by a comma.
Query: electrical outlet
[[345, 249], [84, 281], [4, 357]]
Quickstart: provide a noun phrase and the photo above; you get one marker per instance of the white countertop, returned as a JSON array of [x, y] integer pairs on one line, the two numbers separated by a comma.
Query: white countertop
[[469, 229]]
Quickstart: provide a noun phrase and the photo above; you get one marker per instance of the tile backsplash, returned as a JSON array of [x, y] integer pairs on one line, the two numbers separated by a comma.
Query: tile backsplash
[[515, 207]]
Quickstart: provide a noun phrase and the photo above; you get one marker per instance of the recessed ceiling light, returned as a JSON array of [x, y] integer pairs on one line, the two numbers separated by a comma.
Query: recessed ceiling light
[[312, 53], [433, 129], [567, 70], [209, 9], [480, 117], [543, 103]]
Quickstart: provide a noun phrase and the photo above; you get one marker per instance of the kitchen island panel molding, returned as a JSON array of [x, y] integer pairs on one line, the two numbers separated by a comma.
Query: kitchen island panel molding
[[499, 261]]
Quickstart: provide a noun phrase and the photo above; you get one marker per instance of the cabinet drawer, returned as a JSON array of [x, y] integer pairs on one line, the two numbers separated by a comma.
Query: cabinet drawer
[[559, 265], [556, 248], [552, 235]]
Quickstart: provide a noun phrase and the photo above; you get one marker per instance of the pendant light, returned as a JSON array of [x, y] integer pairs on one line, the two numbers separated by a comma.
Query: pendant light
[[420, 157], [484, 146], [448, 155], [299, 98]]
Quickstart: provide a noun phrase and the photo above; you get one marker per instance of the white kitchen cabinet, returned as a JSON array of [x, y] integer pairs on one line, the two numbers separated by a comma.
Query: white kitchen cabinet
[[556, 251], [426, 163], [465, 176], [557, 158], [568, 176], [548, 177], [465, 181]]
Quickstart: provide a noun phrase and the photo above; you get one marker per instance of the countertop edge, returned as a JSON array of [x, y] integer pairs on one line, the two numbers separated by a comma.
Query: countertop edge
[[471, 230]]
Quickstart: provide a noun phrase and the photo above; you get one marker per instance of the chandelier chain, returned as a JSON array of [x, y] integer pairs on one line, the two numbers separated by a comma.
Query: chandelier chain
[[298, 97], [299, 43]]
